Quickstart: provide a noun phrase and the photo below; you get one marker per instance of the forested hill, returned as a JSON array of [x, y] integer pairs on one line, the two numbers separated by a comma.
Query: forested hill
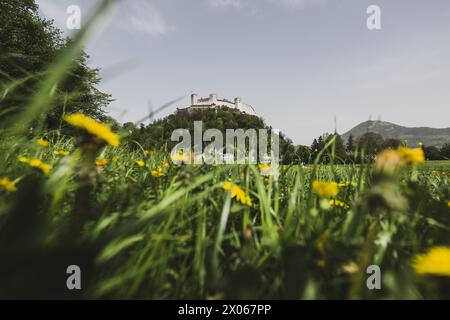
[[411, 136], [157, 135]]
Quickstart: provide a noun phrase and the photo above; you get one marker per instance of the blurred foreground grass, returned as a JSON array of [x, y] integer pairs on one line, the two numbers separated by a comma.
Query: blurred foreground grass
[[152, 229]]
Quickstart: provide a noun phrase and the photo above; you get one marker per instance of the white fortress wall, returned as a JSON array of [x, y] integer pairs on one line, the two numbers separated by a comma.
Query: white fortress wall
[[213, 100]]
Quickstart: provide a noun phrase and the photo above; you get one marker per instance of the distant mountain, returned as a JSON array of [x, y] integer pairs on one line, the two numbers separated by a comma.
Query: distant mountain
[[412, 136]]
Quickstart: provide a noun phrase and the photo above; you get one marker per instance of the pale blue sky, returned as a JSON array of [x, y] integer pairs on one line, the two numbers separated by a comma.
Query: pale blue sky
[[300, 63]]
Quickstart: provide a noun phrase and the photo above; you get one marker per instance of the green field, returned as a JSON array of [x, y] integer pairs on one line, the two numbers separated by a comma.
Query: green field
[[178, 234], [443, 165]]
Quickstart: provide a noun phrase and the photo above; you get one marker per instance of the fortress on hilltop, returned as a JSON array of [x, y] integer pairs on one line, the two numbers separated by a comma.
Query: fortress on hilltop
[[213, 102]]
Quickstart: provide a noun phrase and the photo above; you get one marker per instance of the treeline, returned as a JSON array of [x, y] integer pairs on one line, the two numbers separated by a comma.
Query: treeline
[[357, 150], [157, 135]]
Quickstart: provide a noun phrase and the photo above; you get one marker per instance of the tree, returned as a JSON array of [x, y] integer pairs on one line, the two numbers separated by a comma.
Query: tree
[[445, 151], [303, 154], [350, 144], [339, 148], [129, 127], [287, 151], [315, 147], [391, 144], [432, 153], [371, 143], [29, 45], [319, 144], [28, 42]]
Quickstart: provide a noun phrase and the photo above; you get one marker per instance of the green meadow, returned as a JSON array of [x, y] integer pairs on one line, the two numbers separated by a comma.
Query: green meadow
[[140, 226], [180, 234]]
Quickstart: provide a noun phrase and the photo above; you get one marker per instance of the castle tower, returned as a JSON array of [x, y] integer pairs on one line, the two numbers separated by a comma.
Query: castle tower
[[213, 98], [194, 99], [237, 103]]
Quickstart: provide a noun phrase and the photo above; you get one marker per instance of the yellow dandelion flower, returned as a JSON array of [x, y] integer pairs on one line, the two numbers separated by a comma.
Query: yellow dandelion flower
[[321, 263], [325, 189], [165, 164], [237, 193], [45, 168], [181, 157], [149, 152], [410, 156], [264, 168], [101, 162], [24, 160], [320, 244], [94, 127], [338, 203], [7, 185], [448, 204], [42, 143], [158, 173], [350, 267], [37, 163], [347, 184], [387, 161], [61, 153], [435, 262], [139, 163]]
